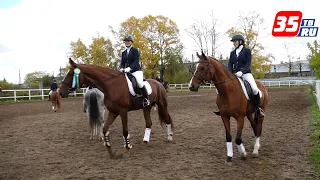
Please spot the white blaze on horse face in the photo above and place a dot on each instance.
(193, 74)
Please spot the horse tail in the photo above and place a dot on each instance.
(162, 103)
(94, 109)
(56, 99)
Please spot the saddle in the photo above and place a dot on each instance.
(135, 84)
(247, 87)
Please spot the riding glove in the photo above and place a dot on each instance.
(128, 69)
(239, 74)
(121, 69)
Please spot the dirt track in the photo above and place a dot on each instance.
(36, 143)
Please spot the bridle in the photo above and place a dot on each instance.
(208, 69)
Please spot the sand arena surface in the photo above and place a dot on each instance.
(36, 143)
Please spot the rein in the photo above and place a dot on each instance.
(75, 81)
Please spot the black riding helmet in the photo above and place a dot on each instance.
(238, 37)
(128, 38)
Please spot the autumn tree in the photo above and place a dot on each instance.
(153, 36)
(99, 52)
(205, 34)
(314, 57)
(250, 26)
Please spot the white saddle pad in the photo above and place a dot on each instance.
(245, 91)
(146, 83)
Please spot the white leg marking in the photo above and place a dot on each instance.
(169, 132)
(229, 149)
(52, 107)
(242, 150)
(146, 137)
(256, 146)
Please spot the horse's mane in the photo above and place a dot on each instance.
(226, 68)
(102, 69)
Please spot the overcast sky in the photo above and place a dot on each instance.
(35, 34)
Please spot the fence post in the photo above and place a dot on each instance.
(317, 83)
(42, 96)
(15, 95)
(29, 95)
(289, 83)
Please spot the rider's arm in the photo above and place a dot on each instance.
(136, 57)
(247, 66)
(122, 61)
(230, 63)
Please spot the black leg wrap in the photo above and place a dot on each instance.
(238, 141)
(228, 137)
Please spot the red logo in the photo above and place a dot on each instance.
(287, 24)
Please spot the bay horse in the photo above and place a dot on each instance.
(231, 101)
(55, 99)
(118, 98)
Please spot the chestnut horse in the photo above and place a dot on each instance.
(117, 98)
(55, 99)
(231, 101)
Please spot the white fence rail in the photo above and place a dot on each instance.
(317, 84)
(43, 93)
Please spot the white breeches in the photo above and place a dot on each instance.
(250, 79)
(50, 92)
(139, 77)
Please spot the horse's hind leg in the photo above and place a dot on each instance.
(258, 134)
(146, 113)
(254, 128)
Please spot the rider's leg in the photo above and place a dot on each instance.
(50, 95)
(139, 77)
(255, 91)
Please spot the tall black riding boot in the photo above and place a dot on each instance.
(146, 101)
(49, 98)
(258, 104)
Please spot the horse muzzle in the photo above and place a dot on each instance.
(194, 88)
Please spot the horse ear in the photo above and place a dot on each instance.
(72, 63)
(202, 54)
(198, 55)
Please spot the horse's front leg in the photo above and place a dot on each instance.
(126, 136)
(147, 132)
(110, 119)
(226, 123)
(241, 149)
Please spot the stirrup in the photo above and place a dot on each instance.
(261, 112)
(217, 113)
(146, 102)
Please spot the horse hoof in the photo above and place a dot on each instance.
(255, 154)
(228, 163)
(145, 142)
(243, 155)
(170, 138)
(126, 149)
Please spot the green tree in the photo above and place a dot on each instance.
(47, 80)
(32, 79)
(6, 85)
(314, 57)
(250, 26)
